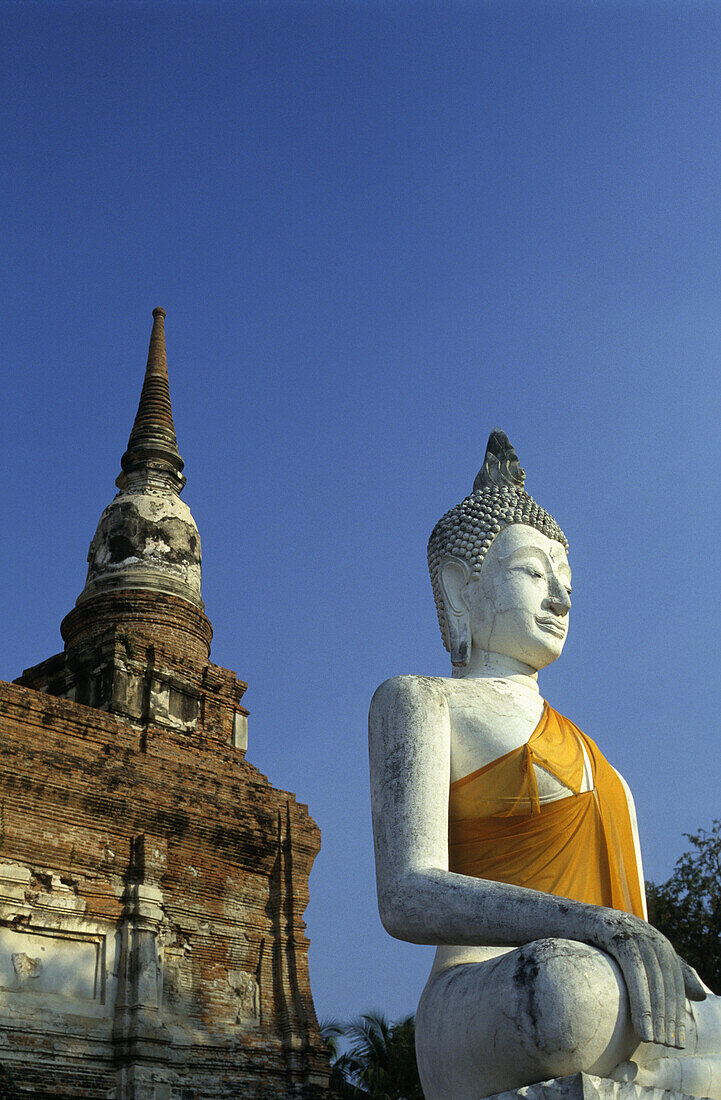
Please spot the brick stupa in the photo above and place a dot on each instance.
(152, 881)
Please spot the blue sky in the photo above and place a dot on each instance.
(379, 230)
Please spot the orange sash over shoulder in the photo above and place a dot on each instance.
(581, 846)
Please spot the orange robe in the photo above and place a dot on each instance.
(580, 846)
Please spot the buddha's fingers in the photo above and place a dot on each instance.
(652, 971)
(629, 958)
(678, 1038)
(681, 1006)
(675, 992)
(662, 1006)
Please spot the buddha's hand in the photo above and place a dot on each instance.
(657, 980)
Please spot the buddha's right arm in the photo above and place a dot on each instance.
(421, 901)
(419, 898)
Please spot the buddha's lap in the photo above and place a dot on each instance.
(546, 1009)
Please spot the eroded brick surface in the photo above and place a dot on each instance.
(152, 890)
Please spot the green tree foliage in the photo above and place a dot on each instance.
(379, 1062)
(687, 908)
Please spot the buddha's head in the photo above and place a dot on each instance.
(499, 569)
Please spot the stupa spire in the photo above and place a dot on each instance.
(152, 447)
(147, 539)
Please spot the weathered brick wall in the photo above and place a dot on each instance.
(166, 857)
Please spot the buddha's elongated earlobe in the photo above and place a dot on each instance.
(453, 576)
(459, 641)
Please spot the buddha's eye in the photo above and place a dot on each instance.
(533, 572)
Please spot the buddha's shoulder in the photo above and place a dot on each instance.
(440, 689)
(410, 690)
(489, 695)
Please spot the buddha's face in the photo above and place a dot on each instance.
(519, 602)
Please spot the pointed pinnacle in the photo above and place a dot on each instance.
(152, 444)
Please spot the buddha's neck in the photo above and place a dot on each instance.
(496, 665)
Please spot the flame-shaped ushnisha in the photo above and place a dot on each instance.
(501, 466)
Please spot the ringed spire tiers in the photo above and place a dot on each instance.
(153, 446)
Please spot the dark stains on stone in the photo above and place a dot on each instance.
(127, 534)
(531, 960)
(525, 976)
(120, 548)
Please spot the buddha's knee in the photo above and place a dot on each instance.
(572, 1007)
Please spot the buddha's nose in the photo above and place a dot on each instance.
(558, 599)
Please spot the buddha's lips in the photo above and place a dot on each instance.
(554, 626)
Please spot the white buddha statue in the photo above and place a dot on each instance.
(503, 836)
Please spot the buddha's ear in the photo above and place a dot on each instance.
(453, 575)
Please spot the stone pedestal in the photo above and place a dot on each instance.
(584, 1086)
